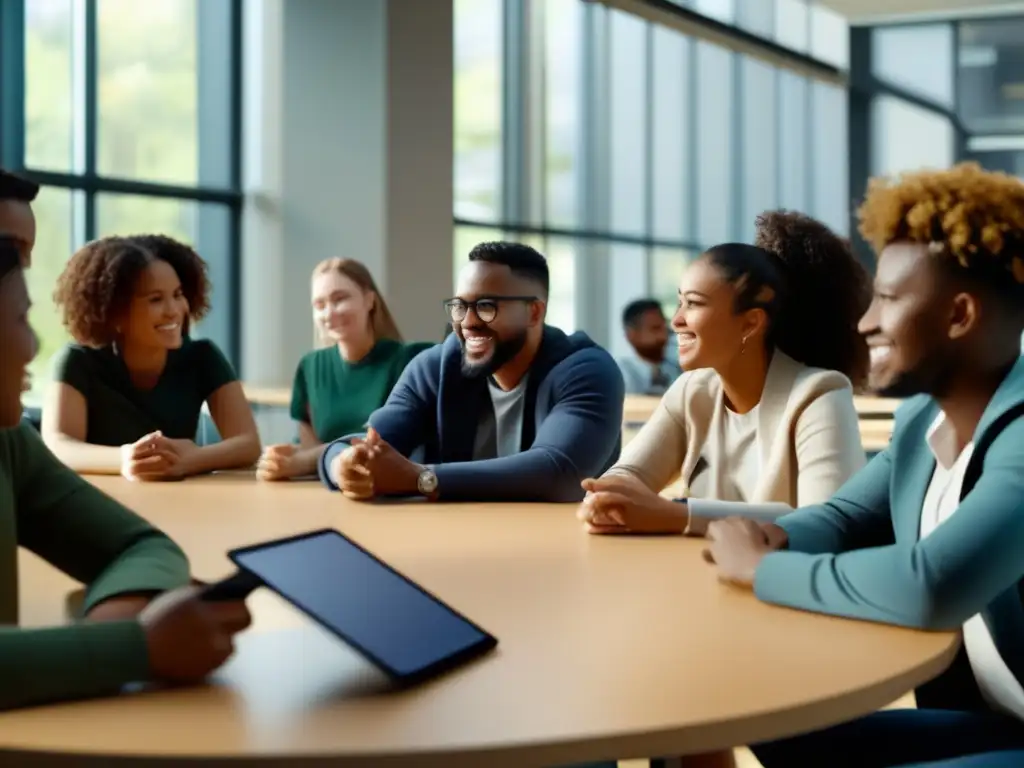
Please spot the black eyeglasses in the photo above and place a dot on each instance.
(486, 308)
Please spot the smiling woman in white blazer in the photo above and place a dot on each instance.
(763, 420)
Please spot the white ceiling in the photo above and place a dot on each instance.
(861, 11)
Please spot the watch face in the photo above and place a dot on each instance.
(427, 482)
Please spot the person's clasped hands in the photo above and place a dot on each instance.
(736, 546)
(371, 467)
(621, 504)
(156, 457)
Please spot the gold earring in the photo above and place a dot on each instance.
(743, 345)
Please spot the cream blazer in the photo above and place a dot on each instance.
(808, 437)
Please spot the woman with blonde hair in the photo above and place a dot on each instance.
(359, 358)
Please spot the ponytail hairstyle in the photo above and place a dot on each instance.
(809, 284)
(382, 323)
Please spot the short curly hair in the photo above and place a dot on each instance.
(809, 284)
(95, 289)
(969, 218)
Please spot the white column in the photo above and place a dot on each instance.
(348, 133)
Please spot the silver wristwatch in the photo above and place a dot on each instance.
(426, 484)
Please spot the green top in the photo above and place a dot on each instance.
(336, 398)
(121, 413)
(51, 511)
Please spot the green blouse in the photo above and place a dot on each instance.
(336, 397)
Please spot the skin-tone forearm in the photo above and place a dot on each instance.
(306, 459)
(85, 458)
(234, 453)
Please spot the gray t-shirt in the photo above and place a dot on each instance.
(500, 431)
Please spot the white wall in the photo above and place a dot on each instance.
(348, 130)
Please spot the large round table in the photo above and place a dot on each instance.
(609, 648)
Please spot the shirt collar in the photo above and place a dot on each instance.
(941, 441)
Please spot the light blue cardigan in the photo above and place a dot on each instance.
(859, 555)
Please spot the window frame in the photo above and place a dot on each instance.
(523, 209)
(215, 22)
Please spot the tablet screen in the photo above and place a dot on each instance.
(388, 618)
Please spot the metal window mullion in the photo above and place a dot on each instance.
(860, 148)
(960, 131)
(234, 289)
(513, 108)
(648, 128)
(533, 123)
(736, 215)
(809, 180)
(12, 84)
(592, 263)
(692, 211)
(90, 96)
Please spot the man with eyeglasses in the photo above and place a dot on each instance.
(506, 408)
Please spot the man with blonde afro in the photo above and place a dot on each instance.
(930, 534)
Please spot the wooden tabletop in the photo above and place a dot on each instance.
(609, 647)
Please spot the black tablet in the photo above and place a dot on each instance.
(392, 621)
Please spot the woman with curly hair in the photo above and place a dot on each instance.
(763, 419)
(128, 392)
(930, 534)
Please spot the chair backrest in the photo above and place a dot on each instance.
(206, 433)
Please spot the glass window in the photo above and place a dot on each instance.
(50, 89)
(563, 55)
(671, 134)
(757, 16)
(667, 266)
(478, 95)
(1007, 161)
(55, 243)
(759, 125)
(715, 125)
(793, 141)
(918, 58)
(830, 36)
(720, 10)
(829, 157)
(907, 137)
(465, 238)
(627, 281)
(628, 79)
(792, 24)
(561, 256)
(147, 85)
(990, 95)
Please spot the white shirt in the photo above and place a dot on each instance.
(999, 687)
(741, 455)
(738, 437)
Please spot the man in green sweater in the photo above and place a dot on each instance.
(127, 636)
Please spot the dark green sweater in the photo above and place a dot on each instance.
(51, 511)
